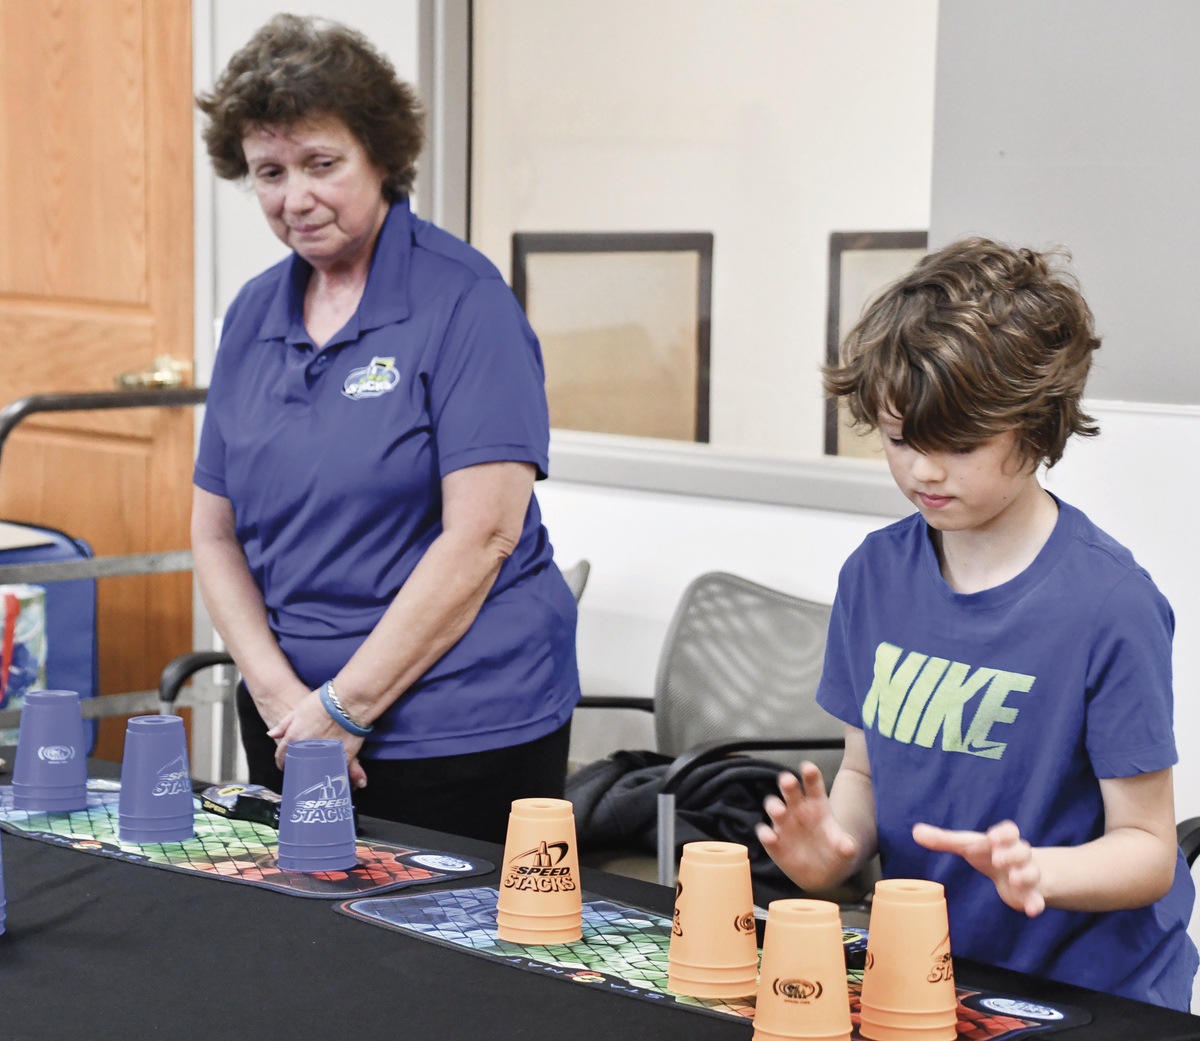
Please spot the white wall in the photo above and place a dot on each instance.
(1092, 139)
(644, 548)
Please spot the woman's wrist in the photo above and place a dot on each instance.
(273, 703)
(337, 711)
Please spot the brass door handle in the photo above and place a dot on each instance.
(167, 372)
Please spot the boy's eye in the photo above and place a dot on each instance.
(897, 440)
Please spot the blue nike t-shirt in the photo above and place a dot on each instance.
(333, 462)
(1011, 703)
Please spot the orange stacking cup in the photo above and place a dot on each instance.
(802, 991)
(540, 900)
(908, 985)
(713, 951)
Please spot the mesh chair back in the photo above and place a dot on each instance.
(743, 660)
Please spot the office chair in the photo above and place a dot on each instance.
(737, 673)
(1187, 833)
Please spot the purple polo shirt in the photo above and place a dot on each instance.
(333, 461)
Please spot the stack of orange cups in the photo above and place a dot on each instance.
(713, 951)
(540, 901)
(802, 991)
(908, 985)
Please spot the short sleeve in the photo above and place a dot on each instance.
(1129, 727)
(487, 389)
(835, 692)
(209, 471)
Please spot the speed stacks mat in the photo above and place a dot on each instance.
(234, 850)
(624, 950)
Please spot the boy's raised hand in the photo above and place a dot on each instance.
(1000, 853)
(803, 838)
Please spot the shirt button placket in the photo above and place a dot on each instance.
(317, 366)
(295, 376)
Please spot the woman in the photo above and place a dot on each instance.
(365, 533)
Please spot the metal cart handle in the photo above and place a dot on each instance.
(97, 567)
(22, 408)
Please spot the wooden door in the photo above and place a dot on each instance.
(95, 280)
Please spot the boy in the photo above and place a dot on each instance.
(1003, 667)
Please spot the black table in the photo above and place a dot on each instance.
(97, 949)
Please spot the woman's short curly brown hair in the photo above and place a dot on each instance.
(977, 339)
(298, 68)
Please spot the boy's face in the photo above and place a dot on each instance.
(960, 491)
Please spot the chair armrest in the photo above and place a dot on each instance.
(615, 701)
(179, 670)
(699, 755)
(1188, 834)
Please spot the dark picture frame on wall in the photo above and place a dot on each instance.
(861, 264)
(625, 324)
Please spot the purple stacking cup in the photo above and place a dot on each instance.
(50, 769)
(156, 782)
(2, 904)
(316, 818)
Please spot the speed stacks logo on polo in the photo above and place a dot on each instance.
(541, 869)
(371, 381)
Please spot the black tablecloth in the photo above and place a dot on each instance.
(97, 949)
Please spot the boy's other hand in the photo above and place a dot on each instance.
(803, 837)
(1000, 853)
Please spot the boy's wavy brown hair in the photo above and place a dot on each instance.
(298, 68)
(977, 339)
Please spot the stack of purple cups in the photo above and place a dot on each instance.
(316, 817)
(50, 768)
(156, 783)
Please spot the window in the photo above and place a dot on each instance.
(769, 125)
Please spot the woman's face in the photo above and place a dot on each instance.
(321, 195)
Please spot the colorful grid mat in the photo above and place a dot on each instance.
(234, 850)
(624, 950)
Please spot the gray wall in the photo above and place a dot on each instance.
(1078, 122)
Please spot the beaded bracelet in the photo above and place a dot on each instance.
(338, 714)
